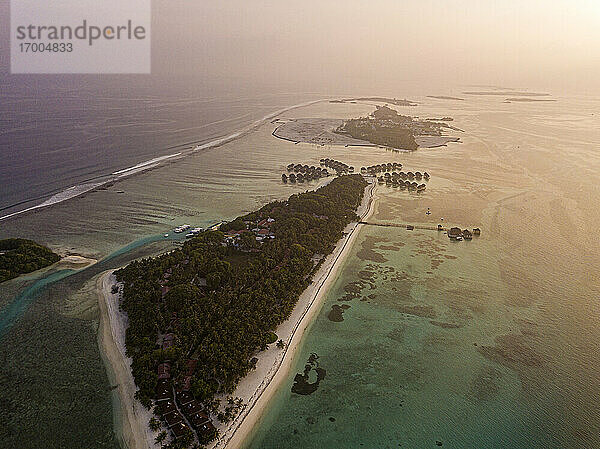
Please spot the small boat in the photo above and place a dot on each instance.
(459, 238)
(166, 235)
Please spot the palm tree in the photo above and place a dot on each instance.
(154, 424)
(161, 437)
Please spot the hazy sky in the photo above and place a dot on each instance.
(352, 44)
(377, 46)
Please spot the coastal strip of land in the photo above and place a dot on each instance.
(275, 370)
(131, 418)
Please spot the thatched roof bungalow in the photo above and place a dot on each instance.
(454, 232)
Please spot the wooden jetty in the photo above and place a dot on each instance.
(408, 226)
(468, 235)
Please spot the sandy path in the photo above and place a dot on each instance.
(130, 417)
(274, 365)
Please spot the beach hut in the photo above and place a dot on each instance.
(467, 235)
(163, 390)
(166, 407)
(476, 231)
(179, 430)
(164, 371)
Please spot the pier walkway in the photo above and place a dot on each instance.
(405, 225)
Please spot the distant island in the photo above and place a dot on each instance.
(508, 93)
(386, 127)
(394, 101)
(199, 315)
(21, 256)
(445, 97)
(526, 100)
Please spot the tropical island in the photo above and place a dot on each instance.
(394, 101)
(386, 127)
(200, 314)
(21, 256)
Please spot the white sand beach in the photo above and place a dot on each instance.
(130, 417)
(75, 261)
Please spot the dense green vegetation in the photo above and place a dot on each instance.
(226, 296)
(20, 256)
(383, 127)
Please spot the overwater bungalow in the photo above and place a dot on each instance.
(284, 178)
(426, 176)
(454, 232)
(292, 178)
(467, 235)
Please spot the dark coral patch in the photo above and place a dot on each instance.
(336, 313)
(301, 381)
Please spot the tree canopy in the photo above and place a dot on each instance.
(222, 302)
(20, 256)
